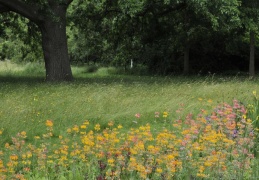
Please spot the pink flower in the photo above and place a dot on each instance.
(137, 115)
(183, 143)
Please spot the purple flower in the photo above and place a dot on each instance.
(208, 119)
(235, 133)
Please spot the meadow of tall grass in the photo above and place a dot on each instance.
(145, 106)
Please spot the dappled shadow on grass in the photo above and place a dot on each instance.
(109, 80)
(177, 79)
(21, 79)
(119, 80)
(128, 79)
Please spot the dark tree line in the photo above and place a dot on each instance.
(165, 36)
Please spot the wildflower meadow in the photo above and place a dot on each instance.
(216, 144)
(105, 126)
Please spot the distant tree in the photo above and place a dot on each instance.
(200, 18)
(50, 18)
(161, 35)
(250, 20)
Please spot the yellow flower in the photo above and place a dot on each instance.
(83, 126)
(86, 122)
(201, 175)
(75, 152)
(69, 130)
(7, 145)
(210, 101)
(249, 121)
(110, 161)
(150, 147)
(201, 169)
(170, 157)
(49, 123)
(159, 170)
(186, 131)
(228, 141)
(208, 163)
(1, 132)
(165, 114)
(29, 154)
(120, 126)
(75, 129)
(23, 134)
(254, 93)
(110, 123)
(97, 127)
(36, 137)
(24, 156)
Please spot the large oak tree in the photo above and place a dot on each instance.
(50, 17)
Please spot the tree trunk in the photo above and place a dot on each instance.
(54, 44)
(51, 19)
(252, 55)
(186, 65)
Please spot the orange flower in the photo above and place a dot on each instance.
(14, 157)
(49, 123)
(231, 125)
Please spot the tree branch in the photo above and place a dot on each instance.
(17, 6)
(64, 2)
(69, 2)
(3, 9)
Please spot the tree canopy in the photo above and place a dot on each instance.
(164, 37)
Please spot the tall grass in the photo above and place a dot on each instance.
(9, 69)
(27, 101)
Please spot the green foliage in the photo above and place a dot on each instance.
(91, 68)
(250, 15)
(253, 111)
(23, 52)
(151, 33)
(20, 41)
(253, 114)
